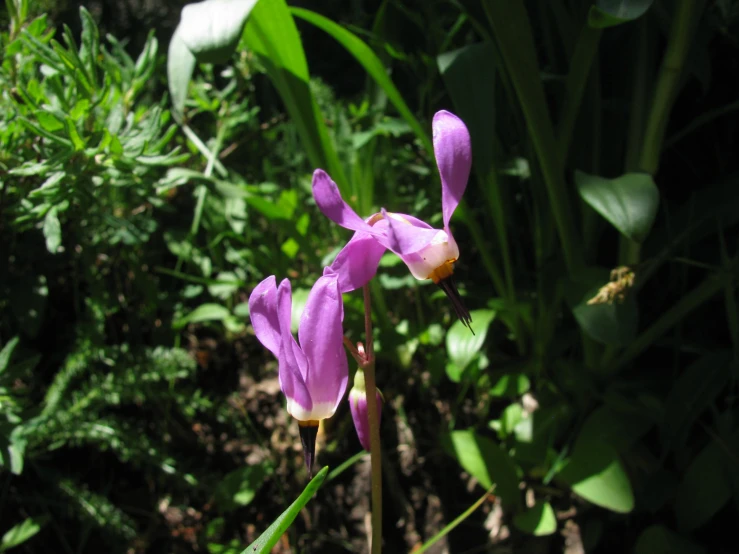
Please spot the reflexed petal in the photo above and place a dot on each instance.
(453, 152)
(329, 200)
(322, 339)
(357, 262)
(405, 238)
(291, 358)
(263, 314)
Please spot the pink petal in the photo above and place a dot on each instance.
(405, 238)
(292, 362)
(357, 262)
(453, 152)
(263, 314)
(322, 340)
(329, 200)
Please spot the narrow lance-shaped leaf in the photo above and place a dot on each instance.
(269, 538)
(607, 13)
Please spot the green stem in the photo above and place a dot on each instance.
(711, 286)
(582, 60)
(459, 519)
(374, 424)
(667, 84)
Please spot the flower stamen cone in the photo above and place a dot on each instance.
(308, 433)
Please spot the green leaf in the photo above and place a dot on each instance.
(485, 461)
(269, 538)
(658, 539)
(52, 231)
(272, 35)
(6, 353)
(510, 385)
(20, 533)
(204, 312)
(180, 65)
(462, 346)
(211, 29)
(607, 13)
(240, 486)
(628, 202)
(539, 520)
(706, 485)
(614, 324)
(594, 470)
(371, 63)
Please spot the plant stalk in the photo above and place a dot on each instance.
(667, 84)
(374, 424)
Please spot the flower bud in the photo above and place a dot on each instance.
(358, 407)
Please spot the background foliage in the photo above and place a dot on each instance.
(599, 247)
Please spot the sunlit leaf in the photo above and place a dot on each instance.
(539, 520)
(485, 461)
(20, 533)
(607, 13)
(462, 345)
(204, 312)
(212, 28)
(628, 202)
(52, 231)
(180, 65)
(239, 487)
(269, 538)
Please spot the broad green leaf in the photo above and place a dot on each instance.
(613, 324)
(594, 470)
(485, 461)
(52, 231)
(539, 520)
(706, 485)
(6, 353)
(239, 487)
(180, 65)
(510, 385)
(628, 202)
(269, 538)
(272, 35)
(204, 312)
(462, 346)
(597, 475)
(371, 63)
(211, 29)
(607, 13)
(20, 533)
(658, 539)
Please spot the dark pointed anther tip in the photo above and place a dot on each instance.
(308, 433)
(450, 289)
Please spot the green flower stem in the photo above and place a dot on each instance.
(374, 424)
(667, 84)
(711, 286)
(459, 519)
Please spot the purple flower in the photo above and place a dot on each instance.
(358, 407)
(314, 374)
(429, 253)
